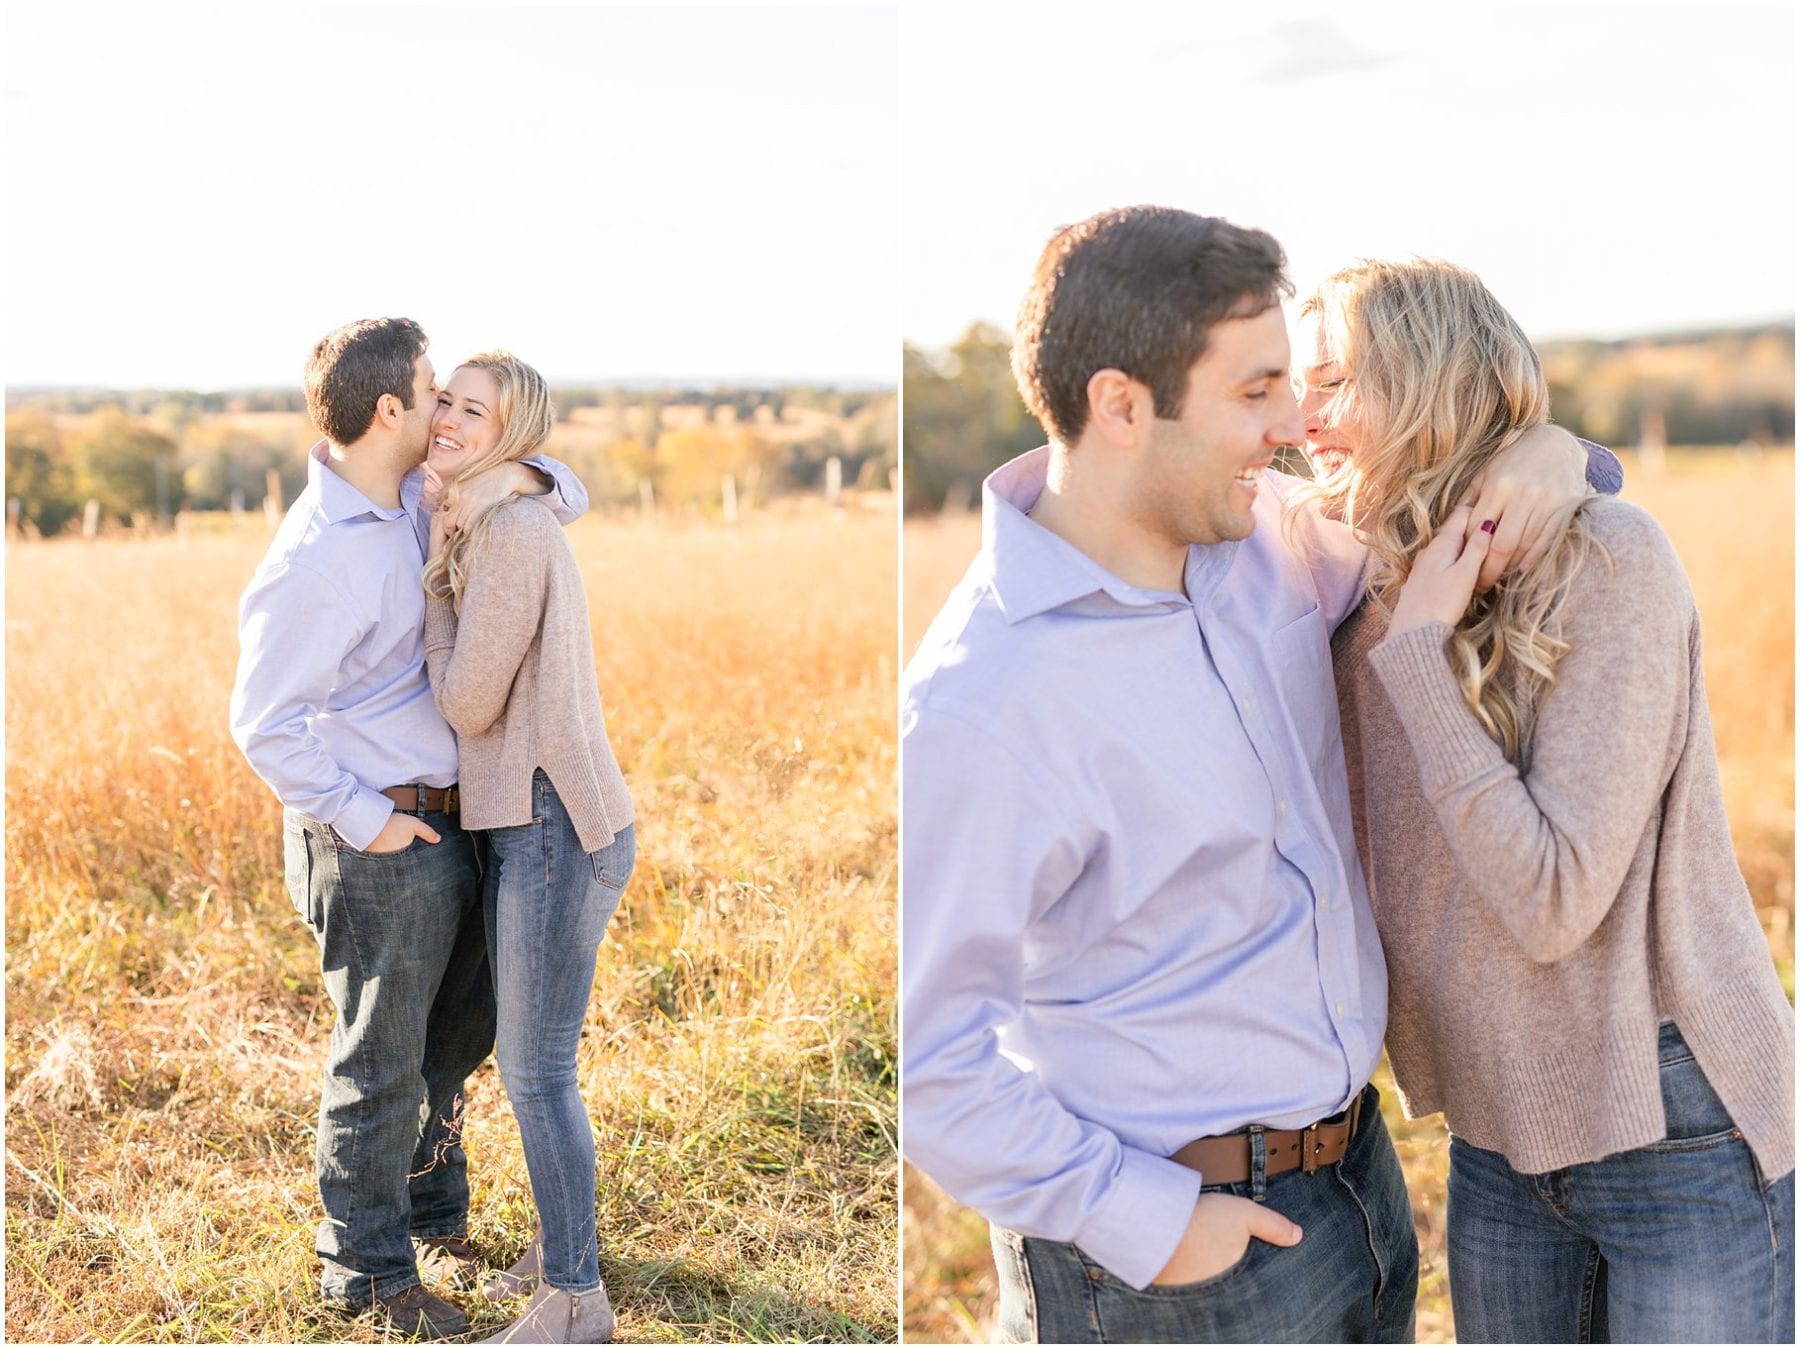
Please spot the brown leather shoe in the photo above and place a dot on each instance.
(449, 1261)
(423, 1315)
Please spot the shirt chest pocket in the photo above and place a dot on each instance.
(1300, 659)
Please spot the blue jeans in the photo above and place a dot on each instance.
(547, 903)
(404, 958)
(1353, 1278)
(1681, 1241)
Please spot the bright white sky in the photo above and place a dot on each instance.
(622, 193)
(196, 195)
(1605, 170)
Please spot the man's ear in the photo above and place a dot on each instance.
(388, 411)
(1120, 408)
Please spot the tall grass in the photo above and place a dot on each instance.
(165, 1019)
(1732, 522)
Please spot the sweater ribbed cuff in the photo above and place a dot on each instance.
(440, 623)
(1449, 743)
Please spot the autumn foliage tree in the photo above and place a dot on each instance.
(127, 467)
(219, 459)
(963, 417)
(689, 463)
(38, 473)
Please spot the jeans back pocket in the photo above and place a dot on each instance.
(1695, 1117)
(298, 854)
(613, 864)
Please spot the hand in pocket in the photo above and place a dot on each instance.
(1219, 1233)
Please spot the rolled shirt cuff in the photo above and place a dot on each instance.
(365, 817)
(1604, 471)
(1147, 1209)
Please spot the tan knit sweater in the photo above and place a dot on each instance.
(515, 679)
(1539, 925)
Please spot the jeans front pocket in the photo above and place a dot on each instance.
(1236, 1305)
(1209, 1284)
(338, 843)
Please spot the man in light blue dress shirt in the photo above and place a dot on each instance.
(1134, 926)
(333, 709)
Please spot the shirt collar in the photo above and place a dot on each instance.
(1034, 570)
(339, 500)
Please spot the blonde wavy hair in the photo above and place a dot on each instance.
(526, 417)
(1443, 379)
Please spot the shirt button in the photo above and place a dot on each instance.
(1340, 1009)
(1246, 706)
(1281, 807)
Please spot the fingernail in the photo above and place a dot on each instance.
(1487, 526)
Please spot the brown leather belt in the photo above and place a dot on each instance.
(416, 800)
(1226, 1161)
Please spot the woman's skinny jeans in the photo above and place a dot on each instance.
(547, 903)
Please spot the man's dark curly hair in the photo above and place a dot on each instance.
(1136, 290)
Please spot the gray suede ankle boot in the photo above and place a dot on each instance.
(555, 1317)
(521, 1276)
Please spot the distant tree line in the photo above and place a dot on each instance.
(141, 402)
(144, 455)
(129, 468)
(684, 461)
(567, 397)
(746, 400)
(963, 416)
(1712, 388)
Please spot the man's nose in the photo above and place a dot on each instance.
(1291, 427)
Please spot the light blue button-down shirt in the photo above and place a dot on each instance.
(1133, 914)
(332, 702)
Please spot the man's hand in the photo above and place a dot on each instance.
(399, 832)
(1442, 580)
(1530, 492)
(1218, 1235)
(465, 500)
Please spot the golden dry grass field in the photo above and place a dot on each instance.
(166, 1024)
(1732, 522)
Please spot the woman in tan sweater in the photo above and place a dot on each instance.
(1577, 977)
(511, 661)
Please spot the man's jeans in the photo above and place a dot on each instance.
(547, 903)
(1681, 1241)
(404, 958)
(1353, 1277)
